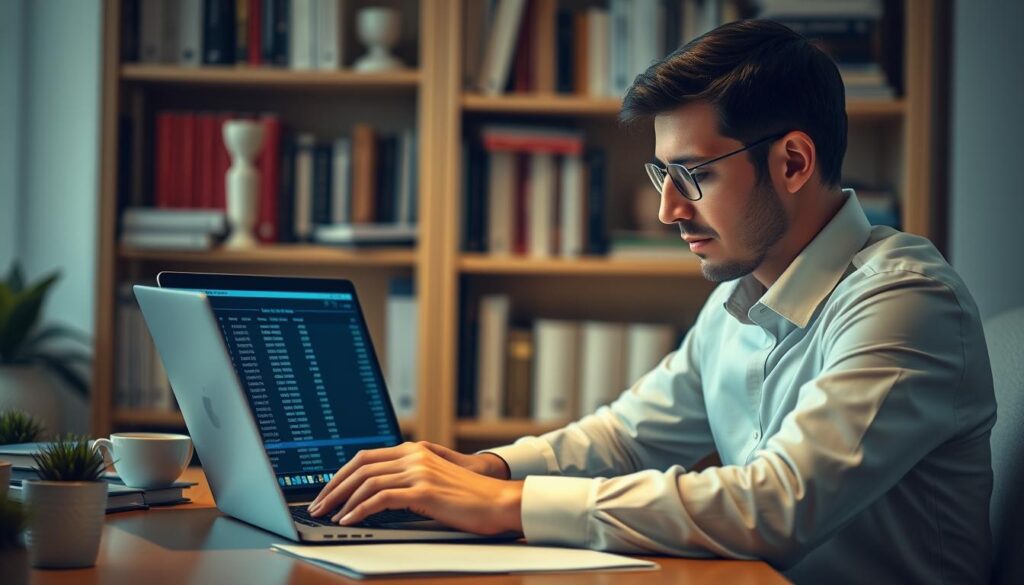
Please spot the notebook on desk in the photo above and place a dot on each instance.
(120, 498)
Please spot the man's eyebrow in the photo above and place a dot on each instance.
(686, 161)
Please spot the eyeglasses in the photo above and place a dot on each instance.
(684, 179)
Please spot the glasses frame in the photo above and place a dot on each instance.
(657, 173)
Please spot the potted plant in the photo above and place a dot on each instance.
(66, 505)
(29, 355)
(13, 557)
(18, 427)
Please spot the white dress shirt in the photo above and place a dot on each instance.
(850, 403)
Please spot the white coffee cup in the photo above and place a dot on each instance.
(147, 460)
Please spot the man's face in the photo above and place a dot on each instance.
(737, 221)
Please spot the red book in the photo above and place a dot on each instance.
(269, 164)
(254, 36)
(174, 186)
(521, 205)
(522, 66)
(187, 196)
(163, 170)
(221, 162)
(553, 144)
(205, 144)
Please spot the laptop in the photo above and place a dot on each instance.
(279, 386)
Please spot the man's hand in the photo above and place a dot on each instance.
(461, 491)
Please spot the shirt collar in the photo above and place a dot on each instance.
(812, 275)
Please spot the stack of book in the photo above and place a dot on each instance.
(555, 370)
(140, 378)
(849, 31)
(367, 179)
(534, 191)
(119, 496)
(536, 46)
(172, 229)
(299, 34)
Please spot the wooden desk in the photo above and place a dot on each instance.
(195, 544)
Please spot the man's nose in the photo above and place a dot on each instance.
(674, 206)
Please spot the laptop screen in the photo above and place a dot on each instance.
(311, 377)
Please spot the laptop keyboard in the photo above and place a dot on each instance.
(301, 515)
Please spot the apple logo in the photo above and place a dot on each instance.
(208, 405)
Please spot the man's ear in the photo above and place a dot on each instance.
(795, 159)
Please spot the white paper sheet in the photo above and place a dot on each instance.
(373, 560)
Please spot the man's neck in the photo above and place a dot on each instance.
(812, 215)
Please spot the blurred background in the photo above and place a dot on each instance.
(460, 161)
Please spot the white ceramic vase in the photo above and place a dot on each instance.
(379, 28)
(32, 389)
(243, 139)
(65, 522)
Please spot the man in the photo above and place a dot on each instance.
(840, 371)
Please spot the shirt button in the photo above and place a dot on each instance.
(757, 435)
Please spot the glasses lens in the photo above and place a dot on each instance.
(684, 181)
(656, 174)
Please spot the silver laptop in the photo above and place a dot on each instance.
(279, 386)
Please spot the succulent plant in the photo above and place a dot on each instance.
(18, 427)
(12, 523)
(70, 458)
(24, 341)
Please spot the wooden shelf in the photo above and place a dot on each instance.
(291, 254)
(568, 105)
(502, 430)
(269, 77)
(585, 266)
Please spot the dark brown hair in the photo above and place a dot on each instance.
(762, 78)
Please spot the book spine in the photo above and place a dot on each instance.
(556, 370)
(542, 195)
(597, 232)
(405, 177)
(286, 195)
(564, 40)
(647, 344)
(619, 17)
(598, 81)
(254, 55)
(190, 45)
(274, 36)
(206, 143)
(602, 369)
(494, 313)
(364, 188)
(546, 51)
(218, 32)
(322, 155)
(242, 17)
(163, 170)
(329, 34)
(304, 187)
(521, 219)
(401, 345)
(189, 177)
(301, 21)
(151, 32)
(500, 198)
(341, 196)
(386, 179)
(130, 25)
(571, 216)
(519, 364)
(501, 46)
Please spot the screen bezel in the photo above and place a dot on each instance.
(212, 281)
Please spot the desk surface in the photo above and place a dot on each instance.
(195, 544)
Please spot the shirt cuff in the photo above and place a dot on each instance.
(527, 456)
(555, 510)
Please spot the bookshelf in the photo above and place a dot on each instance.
(890, 138)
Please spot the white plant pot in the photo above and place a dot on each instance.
(32, 389)
(65, 522)
(14, 566)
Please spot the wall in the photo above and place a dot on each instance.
(54, 88)
(986, 207)
(11, 38)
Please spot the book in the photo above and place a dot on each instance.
(364, 164)
(500, 200)
(322, 183)
(556, 368)
(490, 386)
(254, 34)
(571, 216)
(647, 344)
(341, 175)
(303, 218)
(190, 30)
(302, 28)
(545, 53)
(596, 222)
(541, 206)
(120, 498)
(183, 241)
(274, 36)
(371, 234)
(598, 59)
(500, 47)
(151, 27)
(602, 364)
(518, 367)
(218, 32)
(401, 340)
(174, 220)
(329, 35)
